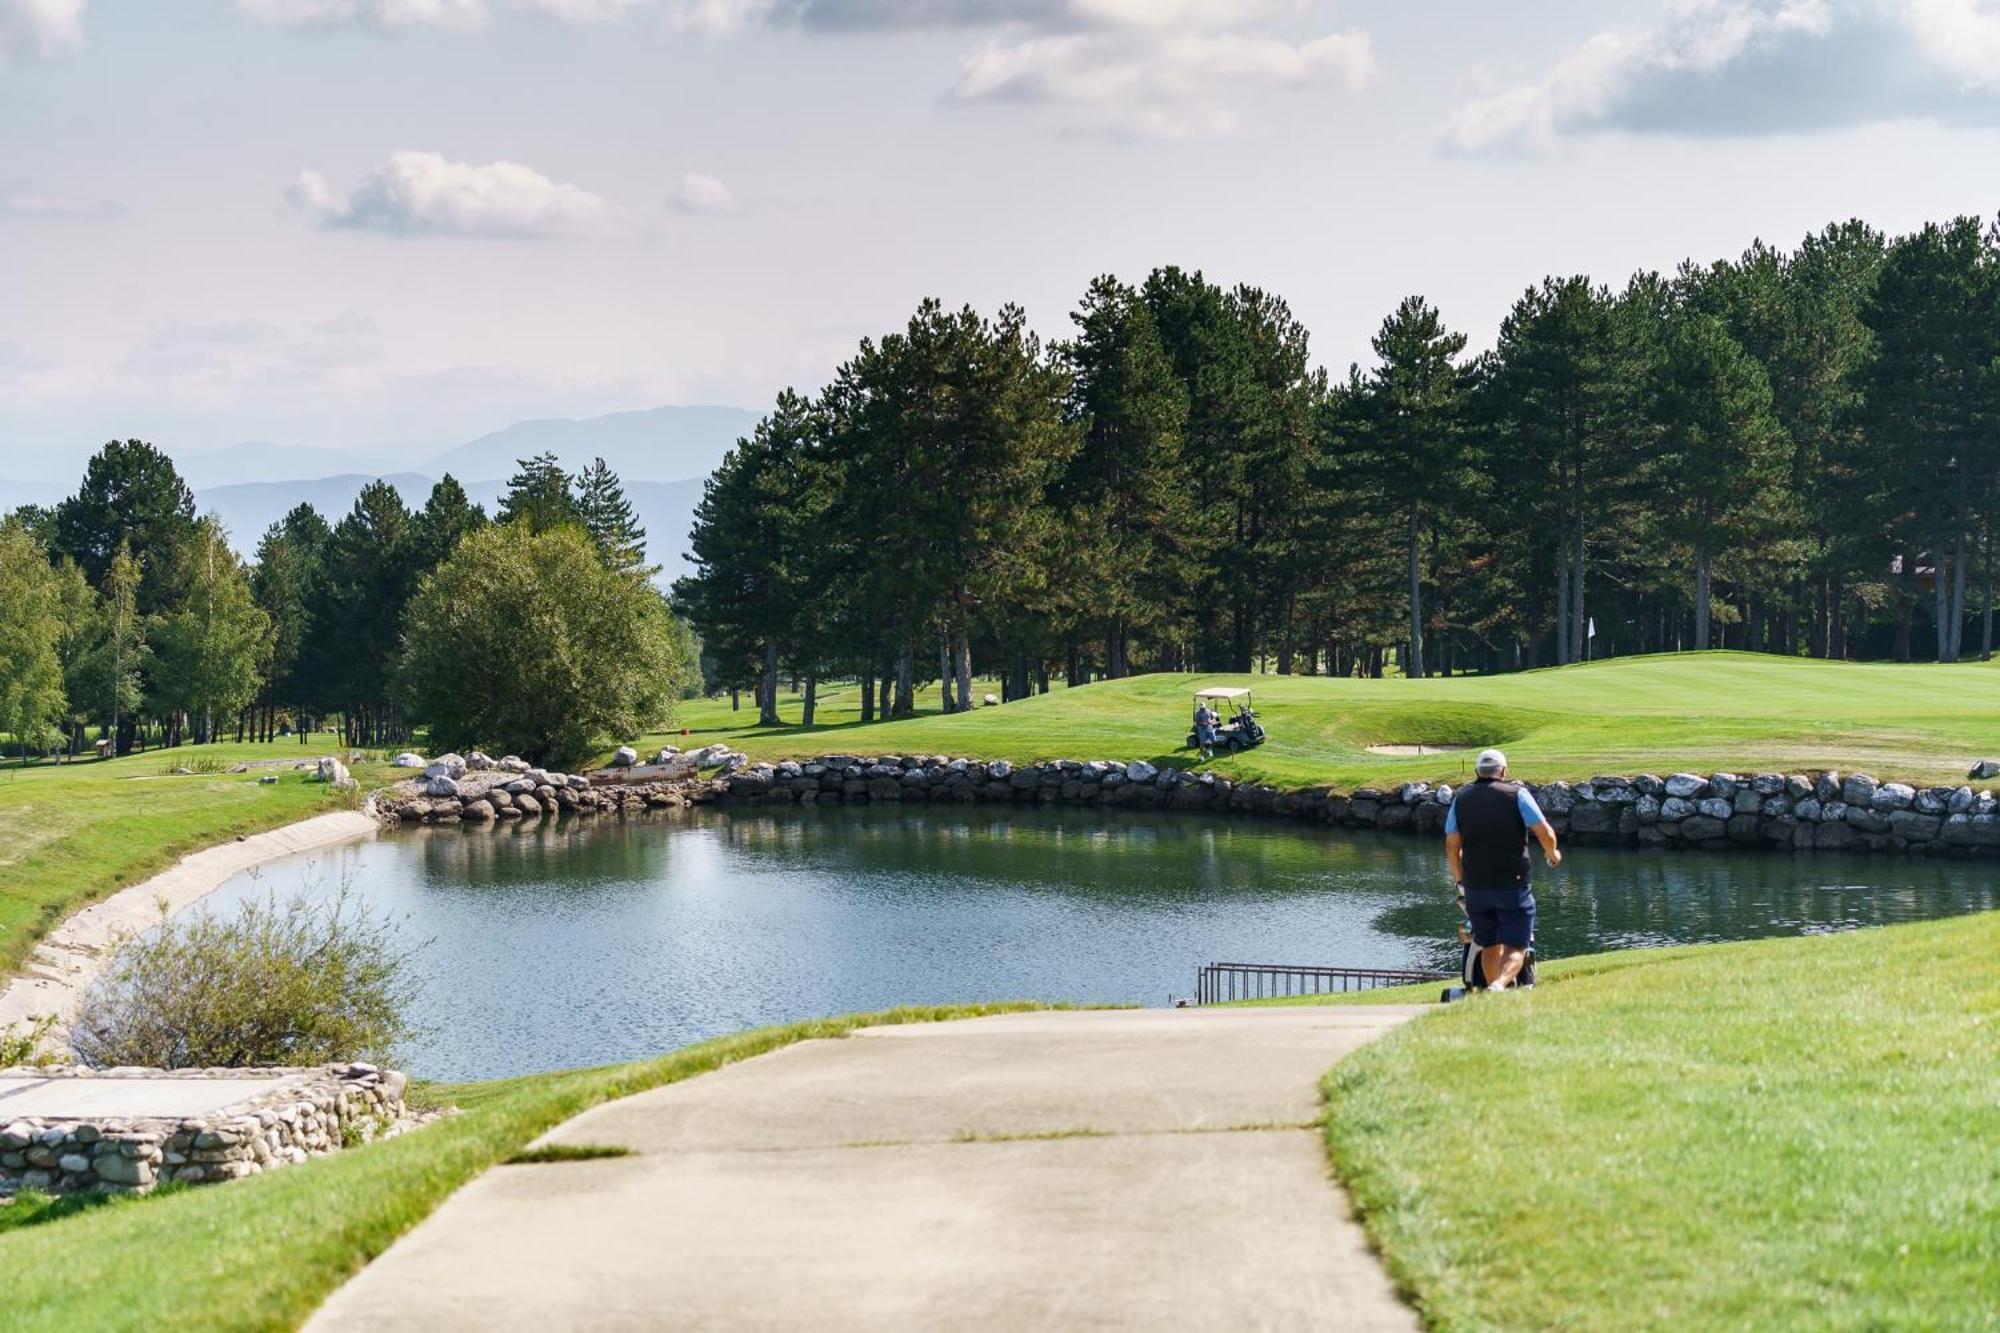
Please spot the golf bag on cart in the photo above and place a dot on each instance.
(1470, 968)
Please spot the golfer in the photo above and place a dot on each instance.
(1486, 849)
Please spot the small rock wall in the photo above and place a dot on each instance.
(318, 1112)
(1720, 810)
(1799, 811)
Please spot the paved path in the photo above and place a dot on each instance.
(1145, 1170)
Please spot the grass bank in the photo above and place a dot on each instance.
(263, 1253)
(1705, 711)
(1796, 1133)
(78, 832)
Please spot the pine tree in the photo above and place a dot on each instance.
(447, 516)
(539, 495)
(608, 518)
(1414, 420)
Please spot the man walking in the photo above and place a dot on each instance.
(1486, 848)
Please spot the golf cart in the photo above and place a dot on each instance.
(1236, 727)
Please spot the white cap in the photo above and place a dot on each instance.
(1490, 763)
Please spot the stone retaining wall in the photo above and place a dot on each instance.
(1796, 811)
(318, 1111)
(1799, 811)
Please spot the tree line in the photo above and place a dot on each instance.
(124, 614)
(1793, 451)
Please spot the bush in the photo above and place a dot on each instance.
(306, 983)
(21, 1045)
(525, 642)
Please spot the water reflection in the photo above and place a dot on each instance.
(563, 944)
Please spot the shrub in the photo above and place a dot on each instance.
(309, 982)
(21, 1045)
(524, 642)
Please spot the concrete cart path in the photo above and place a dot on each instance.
(1144, 1170)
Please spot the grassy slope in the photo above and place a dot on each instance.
(77, 832)
(1707, 711)
(1778, 1134)
(264, 1252)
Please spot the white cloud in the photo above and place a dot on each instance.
(376, 15)
(417, 194)
(37, 29)
(581, 11)
(1042, 15)
(1963, 36)
(699, 193)
(1158, 85)
(1733, 67)
(38, 206)
(1142, 68)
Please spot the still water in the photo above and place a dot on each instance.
(585, 942)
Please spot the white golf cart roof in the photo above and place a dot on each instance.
(1220, 692)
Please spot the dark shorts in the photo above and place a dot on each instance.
(1501, 916)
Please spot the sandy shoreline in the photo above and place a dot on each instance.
(70, 956)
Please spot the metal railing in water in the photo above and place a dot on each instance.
(1224, 983)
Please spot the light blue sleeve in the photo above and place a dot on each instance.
(1531, 814)
(1451, 818)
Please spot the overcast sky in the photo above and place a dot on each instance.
(389, 225)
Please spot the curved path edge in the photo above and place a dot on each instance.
(70, 957)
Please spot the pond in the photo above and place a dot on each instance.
(584, 942)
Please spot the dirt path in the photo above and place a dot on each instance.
(1144, 1169)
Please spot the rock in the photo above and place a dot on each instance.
(1798, 787)
(1593, 817)
(999, 770)
(1913, 827)
(1828, 787)
(1961, 801)
(271, 780)
(330, 769)
(1724, 785)
(75, 1164)
(1647, 808)
(1767, 784)
(1556, 799)
(1648, 784)
(1686, 786)
(478, 812)
(520, 787)
(118, 1169)
(1866, 820)
(1675, 809)
(990, 700)
(1807, 809)
(409, 759)
(1703, 828)
(1984, 769)
(624, 757)
(1747, 801)
(1890, 796)
(1859, 789)
(1935, 800)
(512, 763)
(1833, 812)
(1140, 771)
(527, 805)
(436, 786)
(1717, 807)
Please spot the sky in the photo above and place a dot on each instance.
(386, 226)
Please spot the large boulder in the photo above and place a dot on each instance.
(1984, 769)
(330, 770)
(624, 757)
(409, 759)
(1686, 786)
(1858, 789)
(512, 763)
(1140, 771)
(479, 761)
(436, 786)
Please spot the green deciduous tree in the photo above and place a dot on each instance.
(211, 649)
(524, 641)
(31, 625)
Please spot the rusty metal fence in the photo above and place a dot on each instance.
(1225, 983)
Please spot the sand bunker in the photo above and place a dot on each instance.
(1418, 749)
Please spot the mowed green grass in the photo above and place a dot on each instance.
(263, 1253)
(1798, 1133)
(77, 832)
(1705, 712)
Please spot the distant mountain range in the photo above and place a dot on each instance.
(662, 455)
